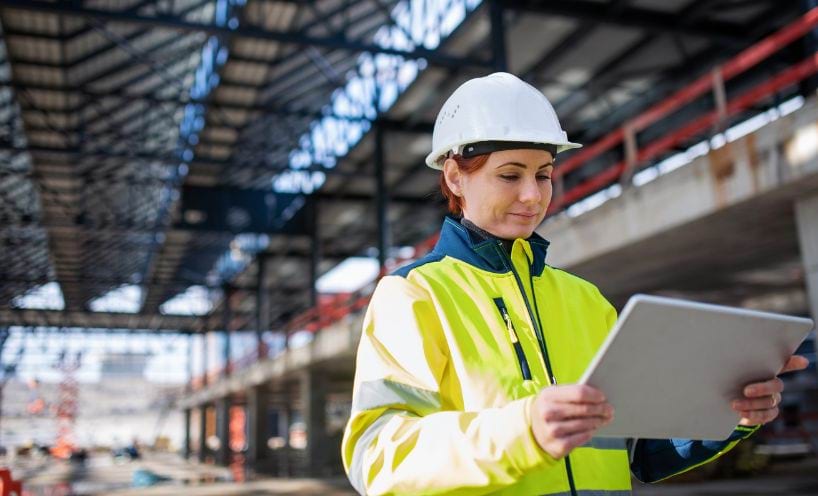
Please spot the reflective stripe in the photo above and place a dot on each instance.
(606, 443)
(593, 492)
(356, 468)
(631, 444)
(378, 394)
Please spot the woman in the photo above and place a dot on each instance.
(458, 385)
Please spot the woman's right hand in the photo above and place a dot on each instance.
(565, 417)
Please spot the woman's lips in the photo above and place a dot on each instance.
(525, 215)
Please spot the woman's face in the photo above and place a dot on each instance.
(509, 195)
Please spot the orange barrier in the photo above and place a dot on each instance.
(9, 486)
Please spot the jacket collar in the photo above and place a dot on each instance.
(463, 244)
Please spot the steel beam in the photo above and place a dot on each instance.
(70, 156)
(382, 197)
(433, 57)
(98, 320)
(655, 21)
(498, 35)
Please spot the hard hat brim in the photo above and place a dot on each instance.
(434, 161)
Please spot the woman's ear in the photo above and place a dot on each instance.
(453, 176)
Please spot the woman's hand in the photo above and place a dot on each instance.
(565, 417)
(761, 399)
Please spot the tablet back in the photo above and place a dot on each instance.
(670, 368)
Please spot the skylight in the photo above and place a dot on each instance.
(350, 275)
(45, 297)
(380, 80)
(196, 300)
(124, 299)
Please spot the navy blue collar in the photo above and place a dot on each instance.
(458, 242)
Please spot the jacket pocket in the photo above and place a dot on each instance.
(515, 341)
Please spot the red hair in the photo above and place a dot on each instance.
(466, 166)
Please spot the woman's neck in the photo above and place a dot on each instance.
(507, 243)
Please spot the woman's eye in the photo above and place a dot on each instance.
(508, 177)
(543, 177)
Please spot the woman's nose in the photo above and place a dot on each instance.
(530, 191)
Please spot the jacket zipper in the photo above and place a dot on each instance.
(515, 341)
(535, 321)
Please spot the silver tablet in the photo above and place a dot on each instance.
(670, 367)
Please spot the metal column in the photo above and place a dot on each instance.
(285, 415)
(223, 431)
(262, 307)
(381, 197)
(315, 253)
(228, 292)
(257, 407)
(205, 365)
(186, 445)
(498, 36)
(202, 433)
(313, 395)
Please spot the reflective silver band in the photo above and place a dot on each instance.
(385, 393)
(593, 492)
(356, 468)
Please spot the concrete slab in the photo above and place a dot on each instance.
(701, 225)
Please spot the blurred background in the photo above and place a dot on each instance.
(197, 197)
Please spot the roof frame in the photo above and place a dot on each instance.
(174, 22)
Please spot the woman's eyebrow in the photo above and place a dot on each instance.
(518, 164)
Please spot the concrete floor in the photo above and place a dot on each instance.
(102, 475)
(783, 478)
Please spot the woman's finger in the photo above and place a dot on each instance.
(567, 428)
(763, 403)
(796, 362)
(757, 417)
(766, 388)
(563, 411)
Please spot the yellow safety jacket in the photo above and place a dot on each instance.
(453, 351)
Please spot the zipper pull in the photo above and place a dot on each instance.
(511, 333)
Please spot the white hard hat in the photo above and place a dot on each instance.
(500, 108)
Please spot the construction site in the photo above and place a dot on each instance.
(199, 197)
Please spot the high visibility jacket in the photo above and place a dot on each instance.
(453, 351)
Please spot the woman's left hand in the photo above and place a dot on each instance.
(761, 399)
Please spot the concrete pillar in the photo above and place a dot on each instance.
(257, 408)
(223, 431)
(262, 307)
(806, 216)
(285, 415)
(202, 433)
(313, 395)
(226, 317)
(186, 445)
